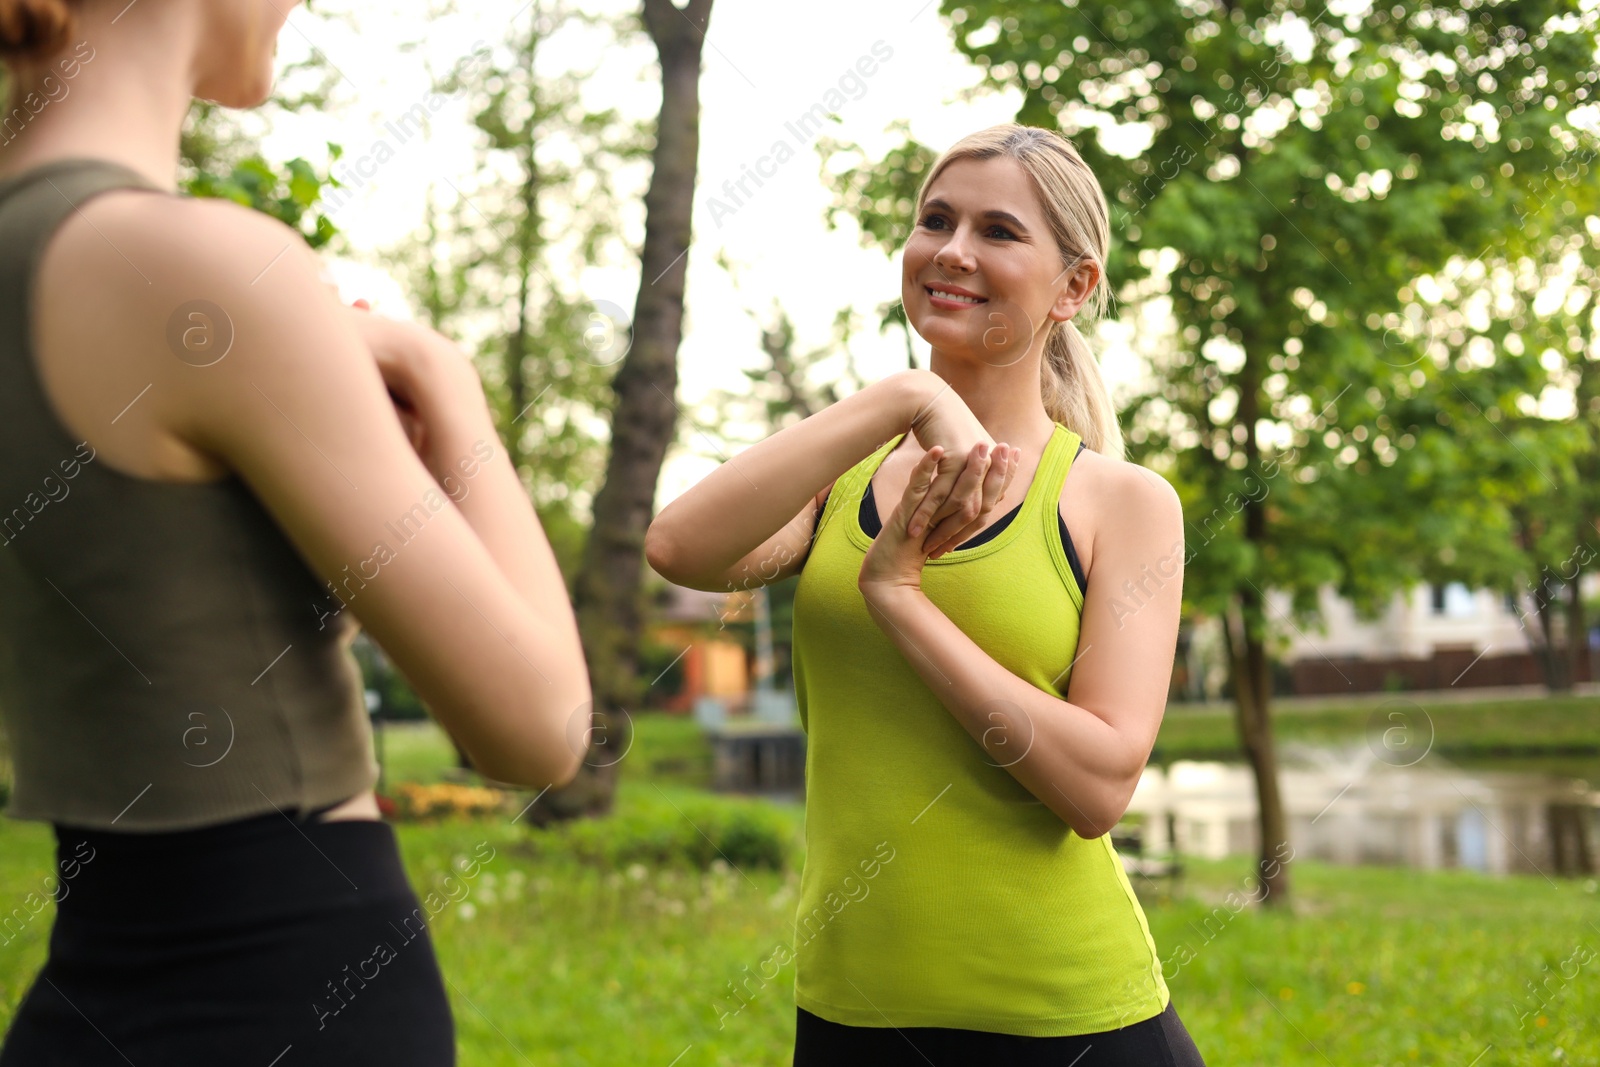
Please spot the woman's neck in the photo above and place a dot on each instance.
(1005, 399)
(116, 92)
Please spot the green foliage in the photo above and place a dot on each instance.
(678, 827)
(220, 159)
(397, 700)
(1327, 206)
(289, 194)
(877, 195)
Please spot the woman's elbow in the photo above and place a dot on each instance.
(546, 747)
(1089, 829)
(548, 770)
(658, 551)
(1098, 816)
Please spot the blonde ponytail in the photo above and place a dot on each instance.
(1075, 394)
(1070, 383)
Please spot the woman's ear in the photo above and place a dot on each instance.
(1079, 281)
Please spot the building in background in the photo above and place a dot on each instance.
(709, 661)
(1434, 637)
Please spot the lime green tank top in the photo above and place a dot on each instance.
(937, 891)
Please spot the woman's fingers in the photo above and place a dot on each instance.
(931, 508)
(996, 480)
(972, 503)
(962, 503)
(917, 493)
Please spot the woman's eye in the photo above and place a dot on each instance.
(933, 222)
(1000, 231)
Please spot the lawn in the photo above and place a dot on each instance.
(551, 960)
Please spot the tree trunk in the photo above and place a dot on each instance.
(1252, 674)
(1555, 673)
(1577, 633)
(607, 591)
(528, 246)
(1251, 677)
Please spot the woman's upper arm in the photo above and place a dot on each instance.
(298, 408)
(1127, 639)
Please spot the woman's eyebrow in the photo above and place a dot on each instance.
(995, 215)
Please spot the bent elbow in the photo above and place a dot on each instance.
(549, 771)
(1091, 831)
(658, 551)
(568, 773)
(1100, 818)
(549, 757)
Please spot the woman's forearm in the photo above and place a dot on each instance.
(1077, 764)
(746, 500)
(461, 449)
(490, 496)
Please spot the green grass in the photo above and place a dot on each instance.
(553, 960)
(560, 963)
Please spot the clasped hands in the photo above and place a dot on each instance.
(946, 501)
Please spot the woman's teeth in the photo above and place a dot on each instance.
(942, 295)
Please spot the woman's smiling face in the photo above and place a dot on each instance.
(981, 273)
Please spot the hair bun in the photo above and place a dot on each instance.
(33, 28)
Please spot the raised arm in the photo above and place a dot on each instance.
(749, 522)
(459, 584)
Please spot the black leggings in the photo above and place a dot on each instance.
(262, 941)
(1161, 1041)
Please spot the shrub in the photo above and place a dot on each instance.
(683, 830)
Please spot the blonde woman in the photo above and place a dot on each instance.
(978, 713)
(201, 469)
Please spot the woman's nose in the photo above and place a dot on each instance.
(955, 254)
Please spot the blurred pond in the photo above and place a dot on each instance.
(1361, 804)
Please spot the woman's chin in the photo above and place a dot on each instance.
(942, 334)
(239, 93)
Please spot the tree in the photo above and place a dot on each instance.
(607, 595)
(792, 385)
(499, 268)
(1279, 179)
(1527, 474)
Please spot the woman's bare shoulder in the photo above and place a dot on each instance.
(159, 240)
(1102, 498)
(131, 280)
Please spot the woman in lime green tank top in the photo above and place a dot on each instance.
(978, 716)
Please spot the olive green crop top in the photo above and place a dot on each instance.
(166, 659)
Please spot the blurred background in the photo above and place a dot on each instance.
(1355, 255)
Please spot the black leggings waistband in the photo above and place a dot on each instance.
(1161, 1041)
(234, 944)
